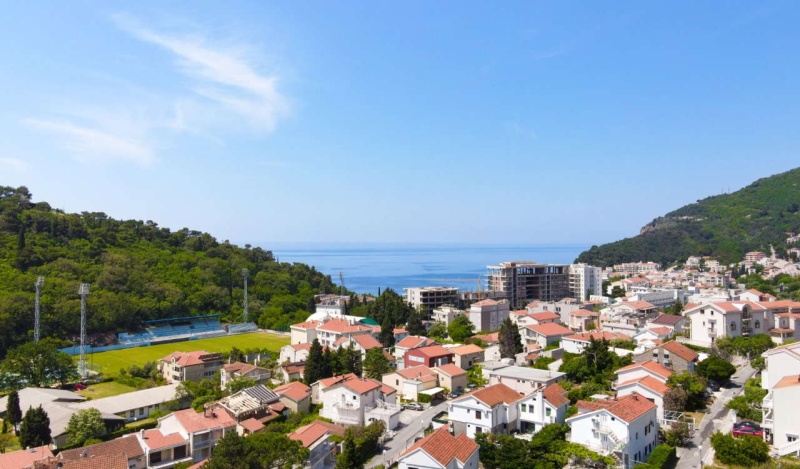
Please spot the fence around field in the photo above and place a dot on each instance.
(76, 349)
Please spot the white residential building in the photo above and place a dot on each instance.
(428, 298)
(491, 409)
(711, 321)
(487, 315)
(350, 400)
(542, 407)
(522, 379)
(577, 343)
(446, 314)
(441, 450)
(584, 281)
(625, 428)
(648, 379)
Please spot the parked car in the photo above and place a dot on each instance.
(413, 406)
(752, 425)
(713, 386)
(455, 394)
(747, 430)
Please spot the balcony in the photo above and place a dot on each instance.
(203, 443)
(712, 332)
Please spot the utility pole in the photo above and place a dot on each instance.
(36, 308)
(83, 291)
(245, 272)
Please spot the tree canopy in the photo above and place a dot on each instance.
(138, 271)
(37, 364)
(84, 425)
(376, 364)
(271, 450)
(716, 369)
(510, 339)
(460, 329)
(35, 428)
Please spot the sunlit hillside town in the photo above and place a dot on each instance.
(607, 353)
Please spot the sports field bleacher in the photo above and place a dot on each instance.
(242, 328)
(173, 329)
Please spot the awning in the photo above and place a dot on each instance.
(432, 391)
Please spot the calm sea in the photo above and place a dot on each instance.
(369, 267)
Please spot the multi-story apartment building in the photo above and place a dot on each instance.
(542, 407)
(190, 366)
(185, 434)
(711, 321)
(754, 256)
(427, 298)
(446, 314)
(633, 268)
(526, 281)
(584, 281)
(350, 400)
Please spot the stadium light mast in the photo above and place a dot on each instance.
(245, 272)
(83, 291)
(36, 308)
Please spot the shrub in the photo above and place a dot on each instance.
(663, 456)
(747, 451)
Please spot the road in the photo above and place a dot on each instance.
(405, 436)
(718, 418)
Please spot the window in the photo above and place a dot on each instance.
(733, 326)
(524, 407)
(397, 382)
(141, 411)
(132, 414)
(547, 412)
(791, 438)
(180, 452)
(354, 398)
(758, 325)
(478, 415)
(637, 435)
(155, 458)
(478, 430)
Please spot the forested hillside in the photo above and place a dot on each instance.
(723, 226)
(137, 271)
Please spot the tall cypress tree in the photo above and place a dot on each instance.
(510, 339)
(415, 326)
(314, 363)
(13, 412)
(387, 332)
(35, 428)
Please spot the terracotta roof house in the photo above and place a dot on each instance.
(410, 382)
(411, 342)
(128, 446)
(491, 409)
(577, 343)
(542, 407)
(316, 438)
(350, 400)
(465, 356)
(178, 367)
(24, 458)
(231, 371)
(441, 450)
(452, 377)
(544, 334)
(626, 427)
(295, 395)
(433, 355)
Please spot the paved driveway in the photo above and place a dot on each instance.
(414, 424)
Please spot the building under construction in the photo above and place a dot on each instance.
(523, 282)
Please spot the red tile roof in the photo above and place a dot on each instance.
(555, 395)
(495, 394)
(452, 370)
(650, 365)
(598, 335)
(584, 313)
(466, 349)
(295, 390)
(668, 319)
(444, 447)
(416, 372)
(414, 341)
(154, 439)
(550, 329)
(660, 331)
(366, 341)
(352, 382)
(127, 445)
(190, 358)
(251, 425)
(105, 461)
(309, 434)
(433, 351)
(649, 382)
(494, 337)
(24, 457)
(306, 325)
(196, 422)
(627, 408)
(342, 326)
(640, 305)
(486, 302)
(544, 316)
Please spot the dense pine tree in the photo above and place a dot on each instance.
(510, 339)
(35, 428)
(315, 366)
(13, 411)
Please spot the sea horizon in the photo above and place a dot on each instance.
(368, 267)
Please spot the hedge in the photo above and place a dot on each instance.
(662, 457)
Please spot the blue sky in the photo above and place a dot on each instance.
(447, 122)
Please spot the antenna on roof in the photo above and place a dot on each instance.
(245, 272)
(36, 308)
(83, 291)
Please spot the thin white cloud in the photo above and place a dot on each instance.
(518, 129)
(224, 76)
(88, 143)
(13, 165)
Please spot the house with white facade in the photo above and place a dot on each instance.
(441, 450)
(542, 407)
(362, 343)
(466, 356)
(446, 314)
(316, 437)
(543, 335)
(491, 409)
(625, 428)
(237, 370)
(650, 385)
(409, 343)
(711, 321)
(522, 379)
(581, 319)
(202, 431)
(411, 382)
(577, 343)
(295, 352)
(640, 370)
(350, 400)
(488, 314)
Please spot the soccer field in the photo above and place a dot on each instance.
(109, 363)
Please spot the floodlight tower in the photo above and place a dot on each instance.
(36, 308)
(83, 291)
(244, 274)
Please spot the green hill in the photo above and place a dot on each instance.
(137, 270)
(723, 226)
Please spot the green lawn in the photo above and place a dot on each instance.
(109, 363)
(107, 389)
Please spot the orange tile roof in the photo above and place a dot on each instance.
(584, 313)
(486, 302)
(598, 335)
(555, 395)
(127, 445)
(466, 349)
(303, 346)
(295, 390)
(306, 325)
(550, 329)
(649, 382)
(352, 382)
(366, 341)
(433, 351)
(488, 338)
(544, 316)
(413, 341)
(189, 358)
(416, 372)
(328, 382)
(786, 381)
(660, 330)
(386, 390)
(309, 434)
(24, 457)
(105, 461)
(154, 439)
(640, 305)
(668, 319)
(650, 365)
(495, 394)
(444, 447)
(627, 408)
(451, 370)
(196, 422)
(342, 326)
(251, 425)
